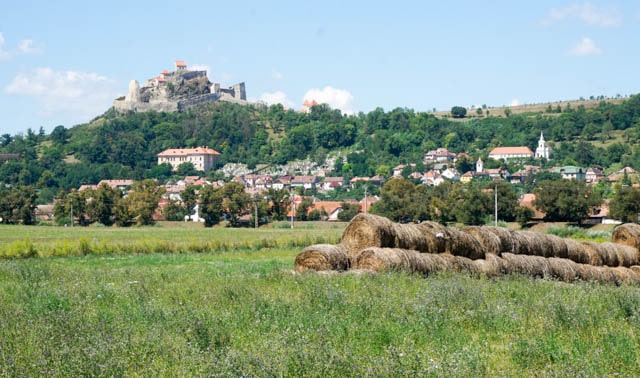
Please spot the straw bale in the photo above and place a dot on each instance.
(576, 251)
(563, 269)
(534, 266)
(410, 261)
(367, 230)
(321, 257)
(464, 244)
(490, 242)
(558, 247)
(635, 268)
(505, 236)
(627, 234)
(611, 254)
(491, 265)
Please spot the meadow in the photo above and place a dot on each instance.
(240, 311)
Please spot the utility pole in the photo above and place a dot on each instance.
(495, 203)
(255, 202)
(71, 214)
(365, 199)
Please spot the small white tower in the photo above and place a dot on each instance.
(479, 166)
(542, 151)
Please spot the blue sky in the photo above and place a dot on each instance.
(63, 62)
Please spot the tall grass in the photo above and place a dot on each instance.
(242, 313)
(579, 233)
(24, 241)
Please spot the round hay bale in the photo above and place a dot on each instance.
(624, 255)
(576, 252)
(534, 266)
(464, 245)
(556, 246)
(627, 234)
(490, 266)
(506, 238)
(367, 230)
(322, 257)
(595, 255)
(438, 236)
(459, 264)
(563, 269)
(383, 259)
(489, 241)
(635, 268)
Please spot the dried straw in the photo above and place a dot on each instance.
(611, 254)
(627, 234)
(490, 242)
(506, 239)
(367, 230)
(576, 252)
(322, 257)
(410, 261)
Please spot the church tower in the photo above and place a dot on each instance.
(479, 166)
(542, 152)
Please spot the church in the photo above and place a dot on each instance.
(542, 151)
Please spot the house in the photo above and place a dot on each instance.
(123, 185)
(619, 175)
(451, 174)
(439, 155)
(571, 172)
(306, 182)
(467, 177)
(181, 65)
(5, 157)
(432, 178)
(202, 158)
(527, 201)
(367, 201)
(328, 209)
(195, 217)
(330, 183)
(593, 175)
(282, 182)
(508, 153)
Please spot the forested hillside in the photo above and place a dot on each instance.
(115, 146)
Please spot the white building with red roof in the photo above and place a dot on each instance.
(202, 158)
(507, 153)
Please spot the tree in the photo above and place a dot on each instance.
(142, 201)
(280, 200)
(18, 205)
(189, 199)
(103, 201)
(458, 112)
(625, 205)
(470, 205)
(236, 202)
(349, 210)
(302, 210)
(507, 112)
(210, 206)
(565, 200)
(186, 169)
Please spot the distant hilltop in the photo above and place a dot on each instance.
(176, 91)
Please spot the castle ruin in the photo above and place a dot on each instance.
(176, 91)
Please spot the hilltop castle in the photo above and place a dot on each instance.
(176, 91)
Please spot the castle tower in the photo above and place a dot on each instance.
(542, 151)
(134, 92)
(479, 166)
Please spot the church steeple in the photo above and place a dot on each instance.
(543, 150)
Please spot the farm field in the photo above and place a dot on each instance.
(240, 311)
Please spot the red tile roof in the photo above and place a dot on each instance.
(511, 151)
(180, 63)
(188, 151)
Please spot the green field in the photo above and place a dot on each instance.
(240, 311)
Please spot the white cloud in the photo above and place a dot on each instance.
(587, 13)
(26, 47)
(584, 48)
(277, 97)
(81, 95)
(335, 98)
(515, 102)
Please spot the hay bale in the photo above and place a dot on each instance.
(322, 257)
(464, 244)
(576, 252)
(489, 241)
(627, 234)
(611, 254)
(635, 268)
(490, 266)
(505, 236)
(367, 230)
(534, 266)
(410, 261)
(557, 246)
(563, 269)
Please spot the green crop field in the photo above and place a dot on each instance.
(240, 311)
